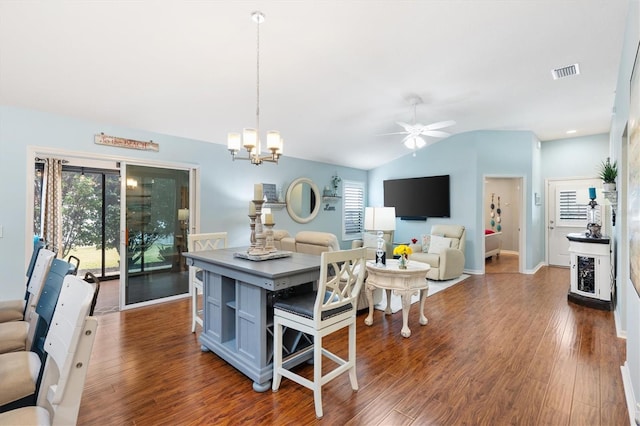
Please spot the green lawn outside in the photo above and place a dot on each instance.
(90, 257)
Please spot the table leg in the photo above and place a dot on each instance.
(423, 298)
(369, 319)
(406, 306)
(262, 387)
(388, 308)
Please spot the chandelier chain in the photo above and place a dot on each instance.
(258, 77)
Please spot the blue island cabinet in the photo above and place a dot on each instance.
(238, 306)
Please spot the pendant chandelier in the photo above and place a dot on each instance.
(250, 138)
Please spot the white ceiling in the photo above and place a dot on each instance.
(335, 74)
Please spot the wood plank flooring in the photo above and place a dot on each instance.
(498, 349)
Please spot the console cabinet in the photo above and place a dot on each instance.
(590, 263)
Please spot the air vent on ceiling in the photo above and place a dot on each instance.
(567, 71)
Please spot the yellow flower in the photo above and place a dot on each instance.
(402, 249)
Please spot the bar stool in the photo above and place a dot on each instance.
(201, 242)
(319, 314)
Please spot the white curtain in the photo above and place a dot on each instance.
(52, 204)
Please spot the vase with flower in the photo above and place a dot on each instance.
(403, 251)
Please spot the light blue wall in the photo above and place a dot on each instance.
(574, 157)
(226, 186)
(467, 158)
(628, 307)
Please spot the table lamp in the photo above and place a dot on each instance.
(380, 219)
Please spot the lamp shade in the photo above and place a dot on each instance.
(380, 218)
(183, 214)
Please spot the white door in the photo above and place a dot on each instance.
(567, 213)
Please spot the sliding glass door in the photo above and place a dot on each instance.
(156, 218)
(90, 217)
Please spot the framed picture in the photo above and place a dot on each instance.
(269, 191)
(633, 190)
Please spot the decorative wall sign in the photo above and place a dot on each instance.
(103, 139)
(269, 191)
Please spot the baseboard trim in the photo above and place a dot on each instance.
(628, 392)
(622, 334)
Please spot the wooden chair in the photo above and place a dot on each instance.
(68, 345)
(201, 242)
(14, 310)
(319, 314)
(18, 335)
(22, 392)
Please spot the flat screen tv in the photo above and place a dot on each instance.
(418, 198)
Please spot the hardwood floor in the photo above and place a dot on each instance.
(498, 349)
(505, 263)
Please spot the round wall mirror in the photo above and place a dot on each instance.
(303, 200)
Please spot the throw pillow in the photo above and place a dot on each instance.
(438, 244)
(369, 240)
(425, 238)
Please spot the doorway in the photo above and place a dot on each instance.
(94, 217)
(502, 209)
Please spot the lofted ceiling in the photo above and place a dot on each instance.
(335, 74)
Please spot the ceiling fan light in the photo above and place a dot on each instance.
(419, 142)
(410, 143)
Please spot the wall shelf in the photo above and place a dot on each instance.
(331, 198)
(275, 205)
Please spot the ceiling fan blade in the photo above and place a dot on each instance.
(439, 125)
(435, 133)
(406, 126)
(394, 133)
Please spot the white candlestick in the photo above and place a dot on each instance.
(257, 191)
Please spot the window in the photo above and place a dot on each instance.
(353, 210)
(570, 209)
(573, 209)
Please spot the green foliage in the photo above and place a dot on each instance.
(81, 208)
(608, 172)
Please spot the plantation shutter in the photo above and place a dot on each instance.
(570, 209)
(353, 213)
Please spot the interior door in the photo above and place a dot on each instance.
(567, 213)
(156, 220)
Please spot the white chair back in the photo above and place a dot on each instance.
(341, 278)
(68, 344)
(201, 242)
(36, 282)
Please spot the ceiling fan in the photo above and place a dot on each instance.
(414, 132)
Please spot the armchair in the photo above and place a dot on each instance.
(446, 262)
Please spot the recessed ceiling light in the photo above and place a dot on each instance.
(570, 132)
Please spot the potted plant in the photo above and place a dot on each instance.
(608, 173)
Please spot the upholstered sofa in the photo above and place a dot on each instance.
(443, 250)
(278, 236)
(316, 242)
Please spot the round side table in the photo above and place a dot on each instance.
(403, 282)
